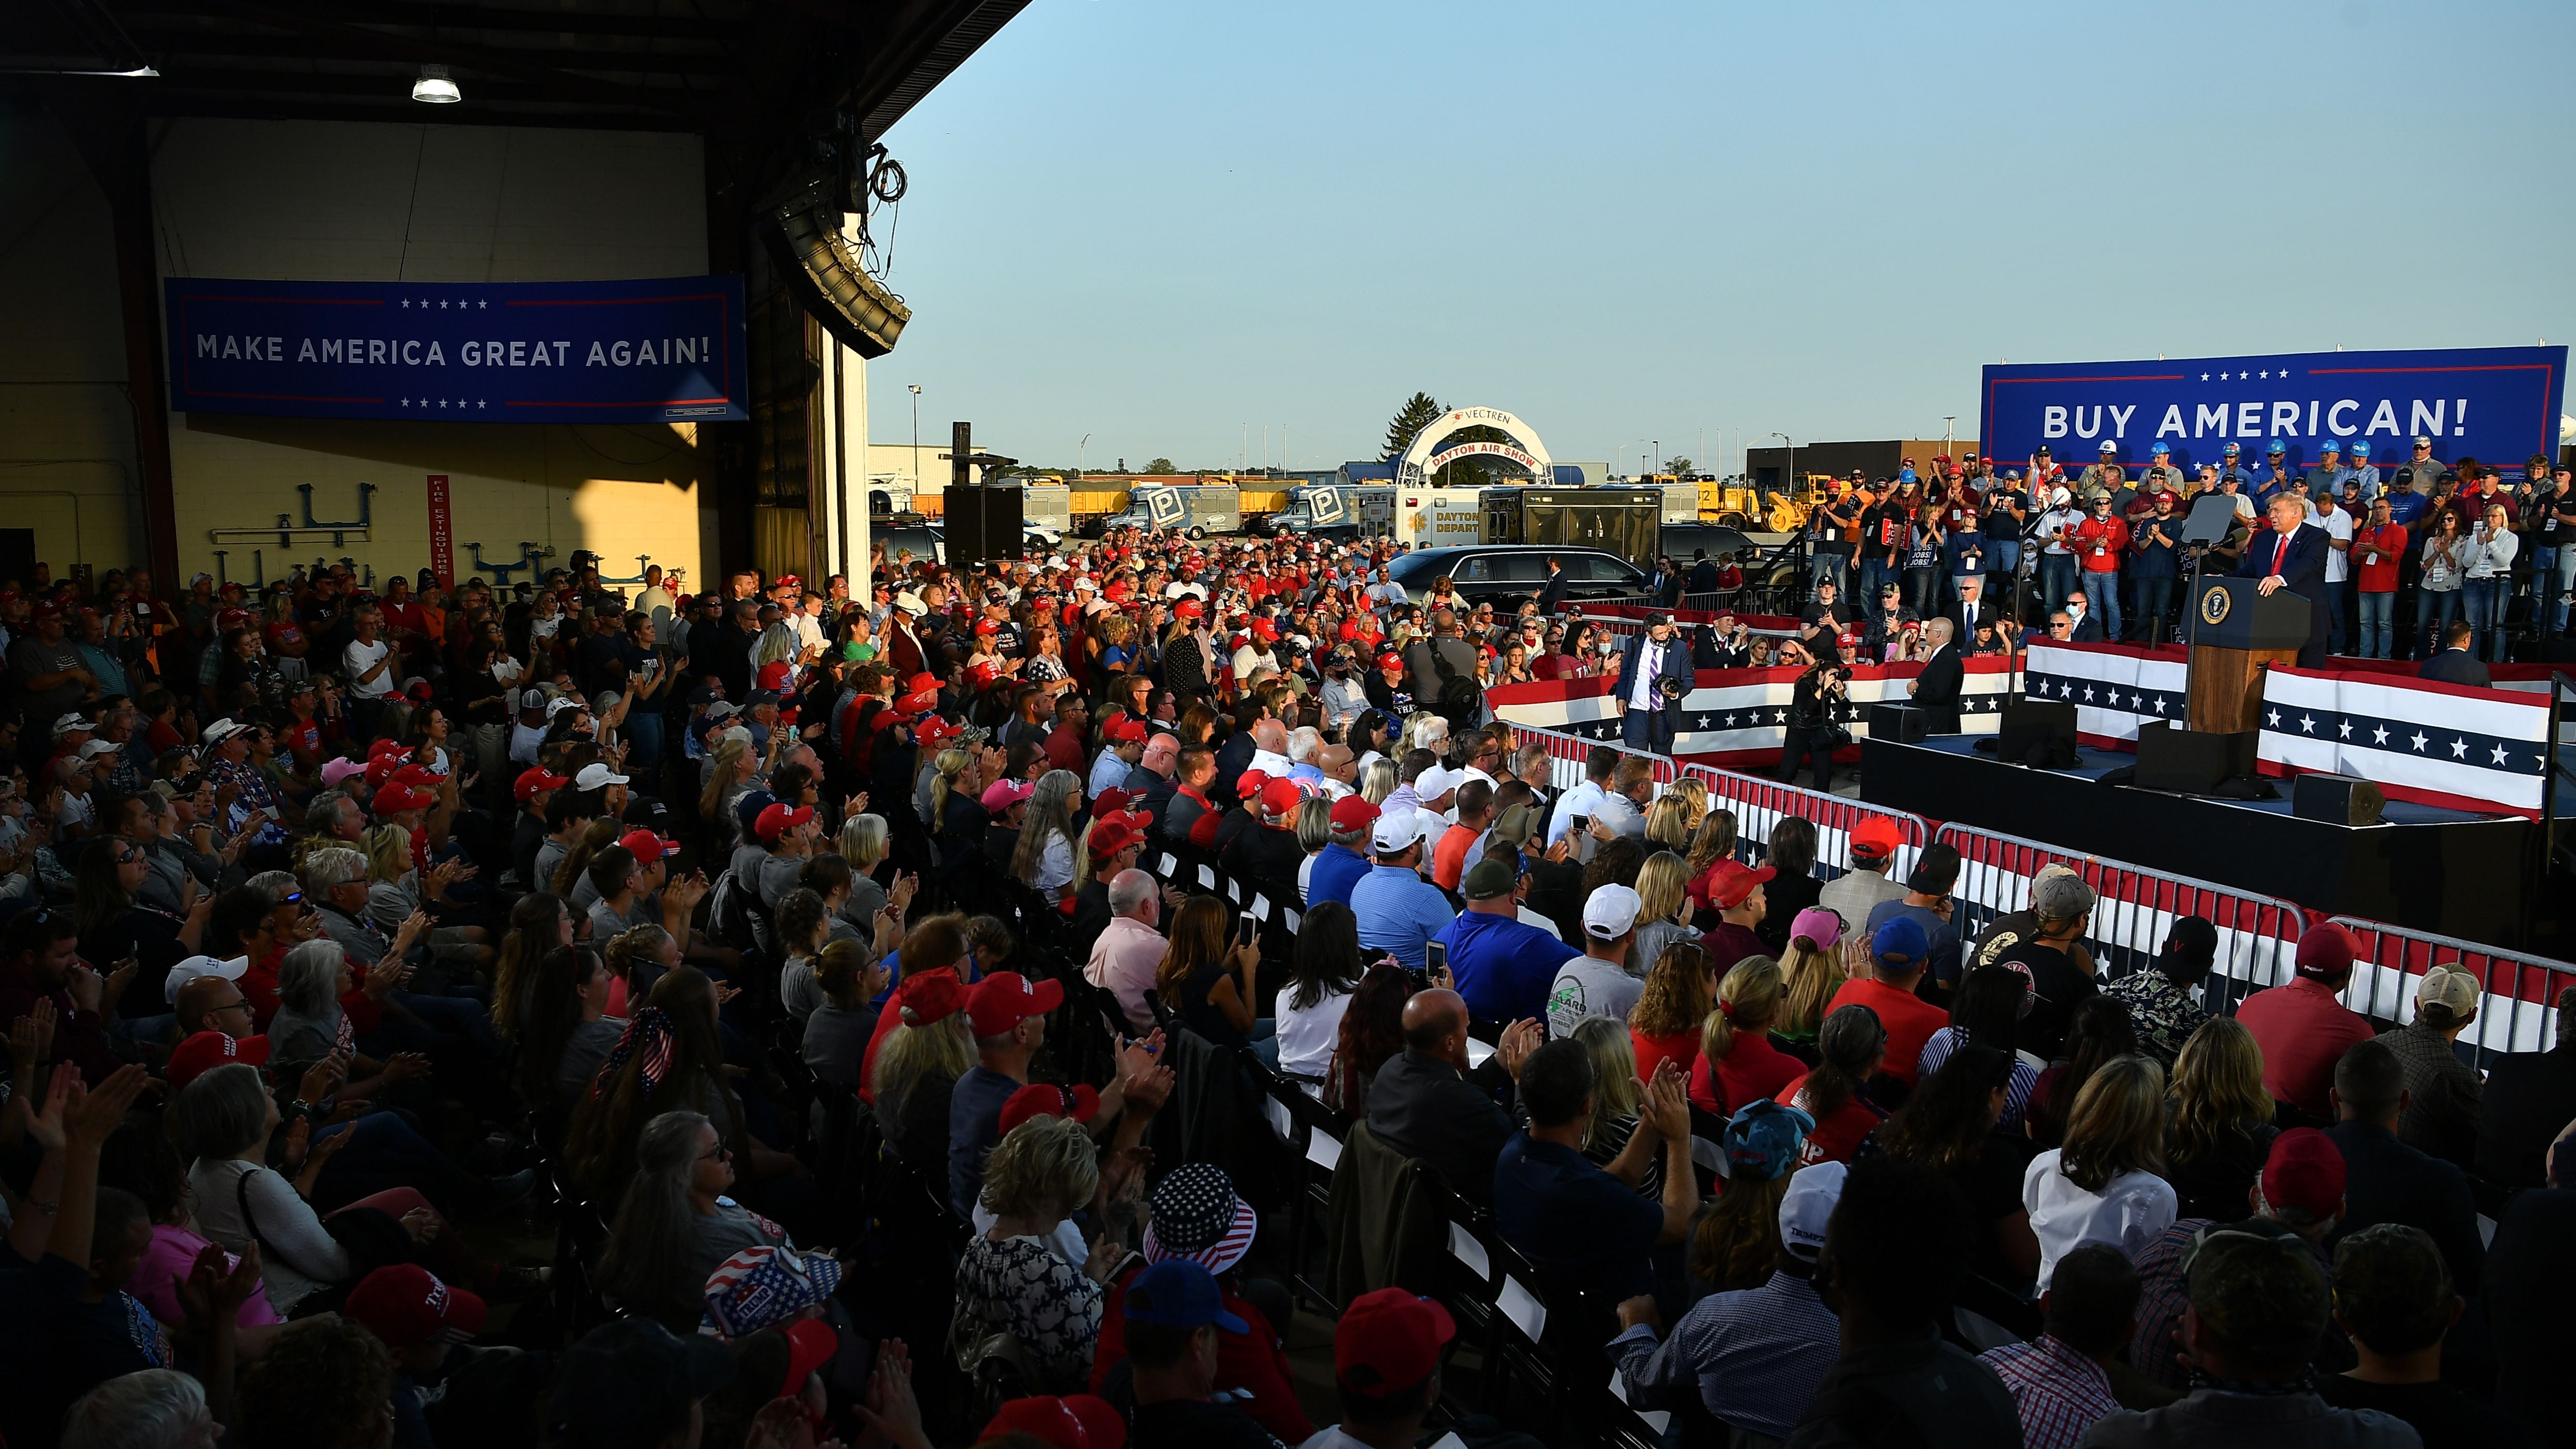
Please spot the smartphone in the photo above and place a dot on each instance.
(1435, 958)
(1577, 824)
(1243, 929)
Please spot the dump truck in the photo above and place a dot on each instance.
(1194, 510)
(1336, 511)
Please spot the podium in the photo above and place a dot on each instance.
(2235, 631)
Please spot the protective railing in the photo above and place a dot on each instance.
(1761, 804)
(1569, 755)
(2258, 935)
(2519, 1012)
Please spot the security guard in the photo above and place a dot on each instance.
(2325, 480)
(2235, 468)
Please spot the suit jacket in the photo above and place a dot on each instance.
(2457, 666)
(1936, 689)
(1551, 595)
(1423, 1107)
(2386, 1181)
(2088, 630)
(2303, 573)
(2529, 1098)
(1674, 663)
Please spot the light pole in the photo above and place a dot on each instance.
(1078, 456)
(1790, 472)
(1949, 434)
(916, 444)
(1659, 456)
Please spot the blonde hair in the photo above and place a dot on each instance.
(2117, 1125)
(1809, 978)
(388, 850)
(1663, 883)
(1044, 1162)
(1614, 1073)
(1747, 1000)
(913, 1054)
(1668, 824)
(2217, 1087)
(950, 763)
(1693, 793)
(732, 763)
(1378, 780)
(863, 841)
(635, 943)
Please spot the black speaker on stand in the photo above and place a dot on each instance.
(2191, 762)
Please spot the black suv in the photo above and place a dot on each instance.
(1503, 574)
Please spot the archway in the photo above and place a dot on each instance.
(1427, 457)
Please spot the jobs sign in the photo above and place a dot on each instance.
(657, 350)
(2497, 404)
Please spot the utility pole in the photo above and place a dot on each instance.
(1078, 451)
(916, 444)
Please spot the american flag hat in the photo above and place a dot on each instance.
(1197, 1217)
(763, 1287)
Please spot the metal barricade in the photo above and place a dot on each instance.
(2258, 936)
(1567, 756)
(1760, 804)
(2519, 1012)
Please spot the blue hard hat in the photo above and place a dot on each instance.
(2234, 448)
(2361, 447)
(2330, 445)
(2160, 448)
(2276, 446)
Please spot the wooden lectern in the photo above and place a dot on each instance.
(2235, 631)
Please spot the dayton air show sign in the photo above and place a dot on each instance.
(2497, 404)
(657, 350)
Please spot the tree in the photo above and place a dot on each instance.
(1161, 465)
(1419, 412)
(1679, 467)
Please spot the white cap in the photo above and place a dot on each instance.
(1611, 913)
(221, 730)
(2109, 447)
(1809, 1203)
(70, 720)
(193, 967)
(533, 698)
(1436, 782)
(1399, 830)
(595, 775)
(911, 603)
(562, 702)
(95, 748)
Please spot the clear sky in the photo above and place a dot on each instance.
(1159, 221)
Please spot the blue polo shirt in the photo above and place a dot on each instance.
(2406, 508)
(1337, 869)
(1399, 913)
(1562, 1212)
(1503, 967)
(974, 1125)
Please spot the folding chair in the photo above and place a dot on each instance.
(1316, 1132)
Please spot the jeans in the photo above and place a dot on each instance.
(2373, 635)
(2553, 575)
(1825, 566)
(2482, 602)
(2007, 555)
(1923, 591)
(643, 730)
(2056, 581)
(2102, 600)
(2335, 612)
(2154, 600)
(2434, 611)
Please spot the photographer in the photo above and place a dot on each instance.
(1814, 732)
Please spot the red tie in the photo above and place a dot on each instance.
(2281, 553)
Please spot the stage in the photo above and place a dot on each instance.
(2424, 866)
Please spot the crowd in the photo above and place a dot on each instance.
(2096, 549)
(816, 969)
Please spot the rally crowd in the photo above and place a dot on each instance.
(2097, 548)
(825, 968)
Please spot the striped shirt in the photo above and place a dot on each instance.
(1756, 1355)
(2058, 1392)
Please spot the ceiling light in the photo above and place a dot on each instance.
(435, 88)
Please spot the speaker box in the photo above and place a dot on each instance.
(2191, 762)
(2032, 722)
(802, 228)
(982, 524)
(2336, 799)
(1898, 723)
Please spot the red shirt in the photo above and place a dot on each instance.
(2378, 576)
(1909, 1019)
(1837, 1135)
(1753, 1069)
(2303, 1031)
(1449, 859)
(1681, 1048)
(2100, 542)
(1064, 749)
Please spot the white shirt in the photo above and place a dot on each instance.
(1055, 863)
(2127, 1214)
(2338, 526)
(1270, 762)
(1582, 800)
(360, 657)
(1307, 1038)
(1585, 986)
(1641, 695)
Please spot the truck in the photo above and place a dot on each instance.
(1047, 509)
(1195, 510)
(1336, 511)
(1625, 521)
(1440, 517)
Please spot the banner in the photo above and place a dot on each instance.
(2497, 404)
(656, 350)
(1739, 716)
(2114, 687)
(2420, 740)
(442, 533)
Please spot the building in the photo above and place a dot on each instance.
(1769, 467)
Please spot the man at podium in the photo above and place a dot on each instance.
(2292, 556)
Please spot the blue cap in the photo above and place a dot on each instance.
(748, 808)
(1762, 1141)
(2234, 448)
(2276, 446)
(2160, 448)
(1902, 939)
(1177, 1293)
(2360, 448)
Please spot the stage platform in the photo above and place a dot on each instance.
(2429, 868)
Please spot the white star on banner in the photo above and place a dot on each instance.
(442, 304)
(442, 402)
(2346, 727)
(2379, 736)
(2160, 704)
(2222, 377)
(2307, 724)
(2088, 694)
(2499, 754)
(2267, 372)
(2460, 749)
(2421, 740)
(1730, 721)
(406, 301)
(2274, 717)
(2204, 377)
(2137, 702)
(406, 402)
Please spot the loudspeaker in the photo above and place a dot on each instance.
(2336, 800)
(2191, 762)
(1898, 723)
(982, 524)
(803, 231)
(2034, 722)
